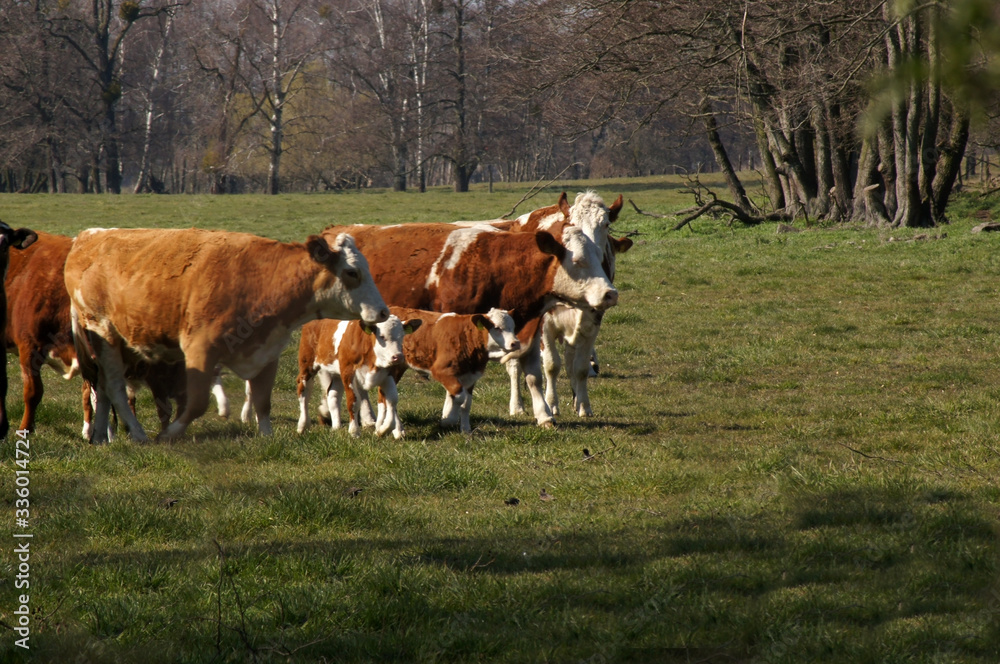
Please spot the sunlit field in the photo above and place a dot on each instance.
(794, 458)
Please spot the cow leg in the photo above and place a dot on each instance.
(457, 403)
(88, 400)
(161, 398)
(595, 365)
(466, 426)
(531, 364)
(451, 412)
(353, 407)
(100, 432)
(368, 418)
(221, 400)
(260, 393)
(516, 402)
(247, 411)
(199, 374)
(333, 387)
(112, 385)
(551, 364)
(31, 376)
(380, 413)
(578, 366)
(389, 417)
(303, 386)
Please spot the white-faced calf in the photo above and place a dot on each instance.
(455, 349)
(352, 357)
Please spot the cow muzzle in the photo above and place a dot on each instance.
(373, 316)
(609, 300)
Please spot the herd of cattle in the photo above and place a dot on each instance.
(169, 308)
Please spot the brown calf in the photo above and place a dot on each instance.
(455, 349)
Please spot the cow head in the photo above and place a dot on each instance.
(580, 280)
(590, 214)
(501, 340)
(345, 289)
(389, 339)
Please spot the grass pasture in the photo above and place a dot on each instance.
(796, 460)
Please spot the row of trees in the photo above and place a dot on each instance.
(845, 109)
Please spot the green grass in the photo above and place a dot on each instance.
(796, 460)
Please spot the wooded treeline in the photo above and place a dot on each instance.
(850, 109)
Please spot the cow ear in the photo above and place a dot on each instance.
(320, 251)
(24, 238)
(482, 322)
(621, 245)
(564, 205)
(615, 208)
(550, 245)
(412, 325)
(367, 328)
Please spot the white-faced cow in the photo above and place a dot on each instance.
(20, 238)
(594, 218)
(444, 268)
(352, 357)
(575, 329)
(454, 350)
(205, 298)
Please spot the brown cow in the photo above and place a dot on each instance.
(38, 322)
(205, 298)
(441, 267)
(21, 238)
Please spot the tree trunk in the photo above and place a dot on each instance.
(142, 183)
(823, 157)
(950, 163)
(736, 189)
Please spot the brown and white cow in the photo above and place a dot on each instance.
(20, 238)
(454, 350)
(38, 321)
(205, 298)
(441, 267)
(594, 218)
(352, 357)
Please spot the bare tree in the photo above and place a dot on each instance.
(97, 36)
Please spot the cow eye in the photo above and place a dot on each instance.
(353, 275)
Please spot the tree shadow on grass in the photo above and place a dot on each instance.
(866, 574)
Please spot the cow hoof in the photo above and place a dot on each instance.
(548, 424)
